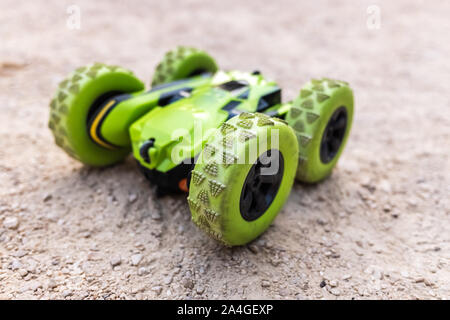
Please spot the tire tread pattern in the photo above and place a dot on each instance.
(169, 64)
(307, 109)
(206, 214)
(65, 93)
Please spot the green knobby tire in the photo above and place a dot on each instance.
(221, 170)
(318, 104)
(71, 104)
(181, 63)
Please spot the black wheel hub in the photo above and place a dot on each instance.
(333, 135)
(261, 185)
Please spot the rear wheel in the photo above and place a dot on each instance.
(321, 117)
(78, 100)
(243, 178)
(182, 63)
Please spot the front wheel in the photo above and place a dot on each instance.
(243, 178)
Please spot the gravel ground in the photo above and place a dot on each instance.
(379, 228)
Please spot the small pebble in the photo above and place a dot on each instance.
(412, 202)
(11, 223)
(155, 215)
(67, 293)
(385, 186)
(275, 262)
(366, 182)
(20, 253)
(428, 283)
(142, 271)
(346, 277)
(23, 272)
(168, 280)
(132, 198)
(115, 261)
(136, 259)
(52, 284)
(300, 296)
(265, 284)
(334, 283)
(157, 290)
(253, 248)
(35, 285)
(139, 245)
(85, 234)
(335, 292)
(188, 283)
(284, 292)
(200, 290)
(15, 265)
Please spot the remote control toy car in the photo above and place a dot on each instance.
(224, 138)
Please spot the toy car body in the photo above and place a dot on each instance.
(194, 129)
(177, 110)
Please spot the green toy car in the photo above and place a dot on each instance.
(225, 138)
